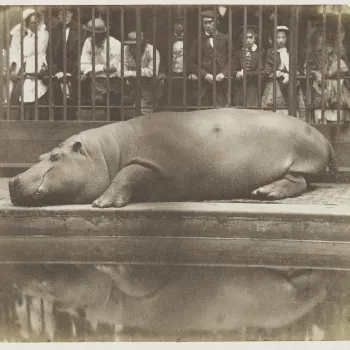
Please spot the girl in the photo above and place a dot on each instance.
(282, 76)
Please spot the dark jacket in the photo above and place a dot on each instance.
(238, 62)
(207, 58)
(71, 48)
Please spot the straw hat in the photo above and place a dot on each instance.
(131, 40)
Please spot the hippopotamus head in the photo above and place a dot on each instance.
(68, 174)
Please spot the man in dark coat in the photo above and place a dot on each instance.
(207, 62)
(71, 36)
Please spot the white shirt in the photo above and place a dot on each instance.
(178, 56)
(29, 60)
(146, 62)
(67, 33)
(211, 39)
(284, 59)
(101, 56)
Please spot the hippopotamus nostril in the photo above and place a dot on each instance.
(40, 192)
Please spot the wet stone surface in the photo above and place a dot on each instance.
(319, 194)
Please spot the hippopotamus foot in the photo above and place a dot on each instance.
(124, 185)
(289, 186)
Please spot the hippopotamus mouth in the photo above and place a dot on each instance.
(22, 197)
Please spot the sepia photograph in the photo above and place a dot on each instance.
(174, 173)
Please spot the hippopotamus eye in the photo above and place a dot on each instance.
(54, 157)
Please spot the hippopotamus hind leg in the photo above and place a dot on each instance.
(126, 183)
(288, 186)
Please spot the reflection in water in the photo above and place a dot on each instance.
(65, 302)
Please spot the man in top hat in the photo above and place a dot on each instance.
(147, 71)
(100, 51)
(248, 56)
(68, 33)
(207, 62)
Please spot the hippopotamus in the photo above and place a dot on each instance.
(185, 156)
(188, 298)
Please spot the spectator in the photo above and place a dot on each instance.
(100, 50)
(207, 62)
(35, 27)
(15, 54)
(71, 36)
(3, 97)
(252, 55)
(282, 76)
(176, 64)
(331, 78)
(147, 72)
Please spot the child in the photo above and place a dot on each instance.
(282, 76)
(252, 56)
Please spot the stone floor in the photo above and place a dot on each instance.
(319, 194)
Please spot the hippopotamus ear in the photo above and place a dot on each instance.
(43, 156)
(76, 146)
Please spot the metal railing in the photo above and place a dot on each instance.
(132, 94)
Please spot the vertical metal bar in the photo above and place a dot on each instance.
(323, 64)
(42, 311)
(122, 61)
(79, 64)
(36, 114)
(138, 61)
(229, 87)
(308, 88)
(64, 65)
(28, 305)
(154, 40)
(338, 61)
(292, 85)
(245, 57)
(22, 64)
(274, 57)
(170, 57)
(2, 64)
(214, 55)
(260, 57)
(8, 59)
(184, 71)
(93, 52)
(50, 66)
(200, 26)
(108, 64)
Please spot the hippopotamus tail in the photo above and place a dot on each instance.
(332, 163)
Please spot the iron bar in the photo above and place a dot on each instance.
(274, 57)
(108, 49)
(122, 62)
(79, 63)
(50, 66)
(260, 57)
(323, 65)
(339, 17)
(200, 26)
(244, 57)
(214, 55)
(138, 61)
(64, 35)
(230, 52)
(184, 71)
(93, 53)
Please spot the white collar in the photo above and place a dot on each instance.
(254, 47)
(282, 49)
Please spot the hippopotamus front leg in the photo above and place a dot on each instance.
(130, 180)
(288, 186)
